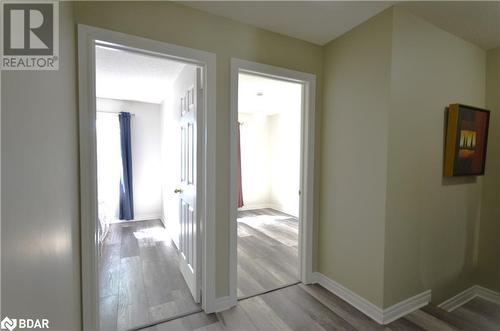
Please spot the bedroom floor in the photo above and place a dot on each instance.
(267, 251)
(140, 281)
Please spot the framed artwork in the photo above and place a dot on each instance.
(466, 141)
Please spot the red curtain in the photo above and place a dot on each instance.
(238, 171)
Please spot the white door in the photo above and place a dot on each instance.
(187, 104)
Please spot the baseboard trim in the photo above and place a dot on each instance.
(487, 294)
(148, 217)
(267, 206)
(407, 306)
(221, 304)
(138, 219)
(465, 296)
(379, 315)
(255, 206)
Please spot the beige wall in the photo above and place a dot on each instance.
(40, 216)
(354, 157)
(390, 226)
(40, 194)
(489, 248)
(185, 26)
(432, 223)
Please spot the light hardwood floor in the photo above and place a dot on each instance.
(267, 251)
(311, 307)
(140, 281)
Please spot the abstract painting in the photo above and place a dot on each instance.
(466, 141)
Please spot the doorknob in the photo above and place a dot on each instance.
(177, 190)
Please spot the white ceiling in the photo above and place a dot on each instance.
(475, 21)
(314, 21)
(267, 96)
(131, 76)
(322, 21)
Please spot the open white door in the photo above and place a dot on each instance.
(187, 103)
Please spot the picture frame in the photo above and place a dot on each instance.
(466, 141)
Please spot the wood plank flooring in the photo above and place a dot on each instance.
(140, 281)
(311, 307)
(267, 251)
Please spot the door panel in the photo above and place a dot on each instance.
(187, 90)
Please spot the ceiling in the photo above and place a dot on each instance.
(131, 76)
(322, 21)
(267, 96)
(315, 21)
(475, 21)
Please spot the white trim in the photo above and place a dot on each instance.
(223, 303)
(139, 219)
(148, 217)
(274, 206)
(487, 294)
(256, 206)
(379, 315)
(87, 37)
(465, 296)
(458, 300)
(405, 307)
(306, 208)
(355, 300)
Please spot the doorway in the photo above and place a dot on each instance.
(147, 187)
(146, 123)
(272, 128)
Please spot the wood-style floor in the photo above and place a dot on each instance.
(310, 307)
(140, 281)
(267, 251)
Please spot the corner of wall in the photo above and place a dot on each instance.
(356, 95)
(488, 270)
(420, 205)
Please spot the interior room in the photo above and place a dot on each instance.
(400, 211)
(269, 126)
(140, 278)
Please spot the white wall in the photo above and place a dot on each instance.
(40, 252)
(146, 157)
(255, 162)
(170, 152)
(270, 160)
(284, 156)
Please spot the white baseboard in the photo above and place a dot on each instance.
(148, 217)
(255, 206)
(487, 294)
(379, 315)
(221, 304)
(407, 306)
(138, 219)
(472, 292)
(267, 206)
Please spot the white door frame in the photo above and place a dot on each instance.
(87, 37)
(306, 208)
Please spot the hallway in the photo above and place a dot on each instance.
(311, 307)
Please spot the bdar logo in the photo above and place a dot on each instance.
(8, 324)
